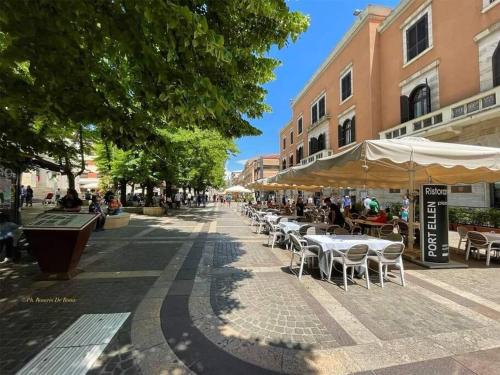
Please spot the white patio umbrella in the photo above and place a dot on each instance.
(238, 189)
(401, 163)
(266, 184)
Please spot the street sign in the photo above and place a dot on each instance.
(434, 223)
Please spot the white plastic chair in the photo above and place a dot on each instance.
(356, 255)
(462, 233)
(304, 251)
(390, 255)
(274, 232)
(478, 241)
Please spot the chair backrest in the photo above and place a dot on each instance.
(296, 245)
(393, 251)
(356, 229)
(331, 229)
(394, 237)
(403, 227)
(303, 229)
(357, 253)
(462, 231)
(386, 229)
(477, 238)
(341, 231)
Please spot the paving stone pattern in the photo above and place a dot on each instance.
(261, 307)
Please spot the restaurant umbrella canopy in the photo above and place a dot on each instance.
(400, 163)
(237, 189)
(266, 184)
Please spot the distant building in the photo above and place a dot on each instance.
(427, 68)
(262, 166)
(234, 178)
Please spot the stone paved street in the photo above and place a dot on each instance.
(207, 296)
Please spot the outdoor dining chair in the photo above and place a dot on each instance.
(394, 237)
(307, 229)
(341, 232)
(478, 241)
(385, 230)
(274, 232)
(304, 252)
(462, 233)
(355, 256)
(328, 230)
(390, 255)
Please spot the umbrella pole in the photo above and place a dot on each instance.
(411, 213)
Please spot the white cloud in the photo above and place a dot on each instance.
(242, 161)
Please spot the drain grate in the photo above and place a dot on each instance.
(77, 348)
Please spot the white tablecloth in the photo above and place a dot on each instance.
(341, 243)
(288, 226)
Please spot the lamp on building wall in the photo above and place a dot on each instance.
(356, 12)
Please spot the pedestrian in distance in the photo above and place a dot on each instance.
(29, 196)
(7, 229)
(95, 208)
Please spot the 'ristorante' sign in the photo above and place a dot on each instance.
(434, 223)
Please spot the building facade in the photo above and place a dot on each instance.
(428, 68)
(262, 166)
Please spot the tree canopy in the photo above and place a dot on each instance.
(128, 68)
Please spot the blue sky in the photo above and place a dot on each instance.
(329, 21)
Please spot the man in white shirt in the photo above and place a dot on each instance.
(366, 204)
(178, 199)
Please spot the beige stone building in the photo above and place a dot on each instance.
(262, 166)
(428, 68)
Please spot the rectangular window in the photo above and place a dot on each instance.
(318, 110)
(284, 143)
(394, 191)
(461, 189)
(291, 138)
(321, 107)
(299, 126)
(417, 38)
(346, 87)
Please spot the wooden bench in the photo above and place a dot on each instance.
(117, 221)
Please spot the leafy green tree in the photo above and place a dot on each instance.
(131, 67)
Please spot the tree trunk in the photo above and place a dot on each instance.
(123, 192)
(149, 194)
(71, 179)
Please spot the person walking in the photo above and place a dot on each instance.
(178, 200)
(189, 198)
(58, 195)
(366, 204)
(29, 196)
(7, 229)
(22, 195)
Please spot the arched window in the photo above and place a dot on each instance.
(283, 164)
(299, 154)
(347, 131)
(420, 101)
(313, 146)
(321, 142)
(496, 66)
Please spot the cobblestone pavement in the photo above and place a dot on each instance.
(207, 296)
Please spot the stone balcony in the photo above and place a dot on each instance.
(450, 119)
(316, 156)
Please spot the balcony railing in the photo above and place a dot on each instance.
(316, 156)
(320, 121)
(474, 105)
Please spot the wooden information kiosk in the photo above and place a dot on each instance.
(57, 240)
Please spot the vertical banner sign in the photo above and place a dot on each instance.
(434, 223)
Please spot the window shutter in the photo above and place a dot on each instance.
(404, 104)
(340, 135)
(353, 130)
